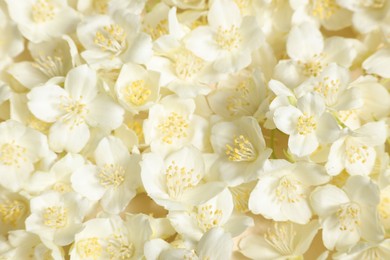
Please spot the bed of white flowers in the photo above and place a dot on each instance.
(194, 129)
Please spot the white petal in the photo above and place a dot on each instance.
(215, 244)
(328, 129)
(224, 13)
(115, 200)
(360, 167)
(279, 88)
(326, 199)
(201, 42)
(298, 212)
(311, 174)
(378, 63)
(286, 119)
(304, 41)
(365, 134)
(336, 158)
(256, 247)
(362, 190)
(111, 150)
(140, 51)
(302, 145)
(45, 101)
(27, 74)
(80, 83)
(262, 199)
(69, 138)
(85, 181)
(311, 104)
(104, 113)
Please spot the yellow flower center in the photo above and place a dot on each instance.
(111, 38)
(241, 195)
(111, 175)
(323, 9)
(372, 3)
(281, 238)
(62, 187)
(314, 67)
(160, 29)
(51, 66)
(328, 87)
(175, 126)
(75, 111)
(306, 124)
(228, 39)
(187, 65)
(119, 247)
(101, 6)
(11, 211)
(241, 151)
(348, 216)
(55, 217)
(238, 103)
(12, 154)
(42, 11)
(242, 4)
(136, 93)
(384, 205)
(89, 248)
(208, 217)
(357, 153)
(180, 179)
(289, 190)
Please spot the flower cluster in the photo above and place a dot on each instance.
(194, 129)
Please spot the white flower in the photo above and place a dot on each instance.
(42, 20)
(366, 250)
(348, 214)
(355, 150)
(378, 63)
(136, 88)
(10, 38)
(73, 109)
(238, 95)
(56, 178)
(26, 245)
(20, 148)
(384, 208)
(176, 182)
(114, 178)
(57, 217)
(217, 212)
(282, 193)
(214, 244)
(307, 124)
(112, 238)
(368, 15)
(52, 60)
(13, 211)
(309, 54)
(327, 13)
(229, 39)
(112, 41)
(171, 124)
(284, 240)
(332, 85)
(181, 70)
(241, 148)
(376, 98)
